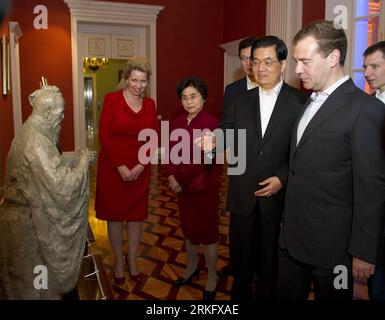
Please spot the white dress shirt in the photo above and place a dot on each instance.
(267, 102)
(317, 100)
(251, 84)
(380, 95)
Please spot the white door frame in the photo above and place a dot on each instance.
(113, 13)
(15, 33)
(232, 66)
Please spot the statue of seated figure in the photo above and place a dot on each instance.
(44, 213)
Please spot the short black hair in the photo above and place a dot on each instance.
(245, 43)
(379, 46)
(192, 81)
(269, 41)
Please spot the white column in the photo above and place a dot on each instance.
(232, 69)
(284, 19)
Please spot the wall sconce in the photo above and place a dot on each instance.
(94, 64)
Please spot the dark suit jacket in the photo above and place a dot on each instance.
(264, 157)
(232, 91)
(381, 255)
(335, 198)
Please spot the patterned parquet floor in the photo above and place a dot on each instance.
(161, 254)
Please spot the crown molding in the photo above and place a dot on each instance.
(113, 10)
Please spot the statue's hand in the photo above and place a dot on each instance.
(91, 156)
(87, 155)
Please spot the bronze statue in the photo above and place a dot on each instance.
(43, 218)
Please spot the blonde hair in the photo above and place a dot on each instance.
(134, 63)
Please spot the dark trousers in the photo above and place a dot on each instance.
(376, 284)
(295, 279)
(254, 246)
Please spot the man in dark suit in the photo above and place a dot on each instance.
(374, 66)
(255, 198)
(249, 81)
(335, 197)
(233, 90)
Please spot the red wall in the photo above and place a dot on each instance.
(6, 112)
(312, 10)
(189, 33)
(243, 18)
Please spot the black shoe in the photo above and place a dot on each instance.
(226, 271)
(209, 295)
(182, 281)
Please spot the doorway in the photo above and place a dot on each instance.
(90, 111)
(116, 18)
(96, 85)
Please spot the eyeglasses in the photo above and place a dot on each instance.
(266, 63)
(245, 58)
(193, 97)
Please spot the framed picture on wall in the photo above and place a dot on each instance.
(96, 46)
(124, 48)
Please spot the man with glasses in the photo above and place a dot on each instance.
(255, 198)
(248, 82)
(374, 66)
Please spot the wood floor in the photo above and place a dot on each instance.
(161, 253)
(161, 256)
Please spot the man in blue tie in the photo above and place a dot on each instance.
(374, 66)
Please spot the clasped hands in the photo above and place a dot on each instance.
(130, 175)
(174, 185)
(362, 269)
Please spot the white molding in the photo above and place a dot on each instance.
(229, 63)
(15, 34)
(382, 25)
(114, 13)
(113, 10)
(111, 33)
(231, 48)
(284, 19)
